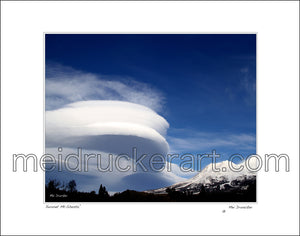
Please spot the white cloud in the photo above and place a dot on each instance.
(65, 85)
(105, 114)
(103, 127)
(111, 126)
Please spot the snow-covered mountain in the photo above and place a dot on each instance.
(226, 179)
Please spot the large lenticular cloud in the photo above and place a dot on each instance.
(110, 126)
(114, 127)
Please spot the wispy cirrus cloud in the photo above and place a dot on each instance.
(66, 85)
(248, 85)
(245, 89)
(190, 141)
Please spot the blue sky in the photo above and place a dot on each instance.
(203, 85)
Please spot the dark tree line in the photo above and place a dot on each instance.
(57, 192)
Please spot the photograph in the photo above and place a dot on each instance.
(150, 117)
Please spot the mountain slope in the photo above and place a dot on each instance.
(209, 180)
